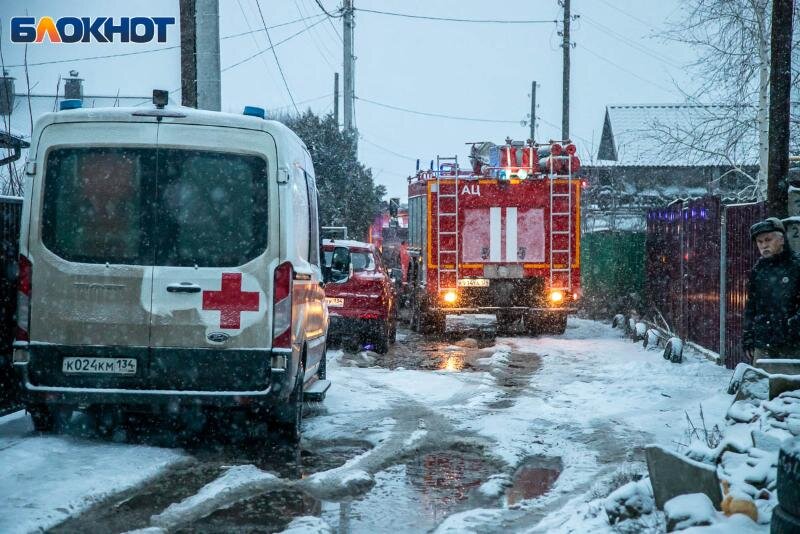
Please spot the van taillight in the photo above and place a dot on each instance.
(282, 307)
(24, 286)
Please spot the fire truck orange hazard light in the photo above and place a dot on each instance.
(450, 297)
(556, 296)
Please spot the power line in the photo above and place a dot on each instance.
(633, 44)
(252, 35)
(162, 49)
(248, 58)
(388, 150)
(449, 19)
(275, 55)
(326, 12)
(308, 100)
(233, 35)
(321, 47)
(627, 14)
(330, 21)
(437, 115)
(620, 67)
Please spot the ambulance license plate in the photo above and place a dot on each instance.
(334, 302)
(107, 366)
(473, 282)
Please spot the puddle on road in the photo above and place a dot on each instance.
(413, 496)
(414, 351)
(533, 479)
(132, 508)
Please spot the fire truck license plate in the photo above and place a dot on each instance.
(334, 302)
(474, 282)
(112, 366)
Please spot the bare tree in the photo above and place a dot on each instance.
(732, 39)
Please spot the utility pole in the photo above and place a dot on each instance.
(200, 68)
(188, 51)
(533, 110)
(209, 89)
(336, 98)
(780, 79)
(565, 82)
(349, 67)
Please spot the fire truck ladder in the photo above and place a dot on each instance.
(442, 253)
(560, 225)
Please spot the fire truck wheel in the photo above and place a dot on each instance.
(505, 322)
(555, 324)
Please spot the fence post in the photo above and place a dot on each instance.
(723, 281)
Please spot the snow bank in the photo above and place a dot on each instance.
(689, 510)
(47, 479)
(308, 525)
(237, 483)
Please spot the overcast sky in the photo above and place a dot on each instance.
(481, 71)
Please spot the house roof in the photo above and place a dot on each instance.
(676, 135)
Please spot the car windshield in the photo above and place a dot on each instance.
(363, 261)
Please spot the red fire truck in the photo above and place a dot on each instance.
(502, 237)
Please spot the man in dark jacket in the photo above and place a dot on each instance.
(772, 313)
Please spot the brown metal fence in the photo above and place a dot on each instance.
(663, 283)
(740, 256)
(698, 250)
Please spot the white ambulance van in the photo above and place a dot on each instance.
(169, 260)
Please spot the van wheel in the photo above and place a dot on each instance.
(43, 419)
(287, 418)
(49, 419)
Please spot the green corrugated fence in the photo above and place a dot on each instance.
(612, 271)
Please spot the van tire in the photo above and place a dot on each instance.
(287, 417)
(43, 418)
(49, 418)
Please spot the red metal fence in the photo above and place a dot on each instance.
(698, 250)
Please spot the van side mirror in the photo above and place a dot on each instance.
(341, 266)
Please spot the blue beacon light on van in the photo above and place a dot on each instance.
(71, 103)
(254, 111)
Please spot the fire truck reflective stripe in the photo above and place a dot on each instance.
(511, 234)
(495, 234)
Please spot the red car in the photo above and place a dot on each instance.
(361, 302)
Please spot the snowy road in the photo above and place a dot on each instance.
(516, 436)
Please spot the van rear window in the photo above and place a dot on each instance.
(166, 207)
(96, 204)
(211, 209)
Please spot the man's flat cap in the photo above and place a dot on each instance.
(772, 224)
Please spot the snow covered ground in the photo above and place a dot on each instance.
(46, 479)
(583, 404)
